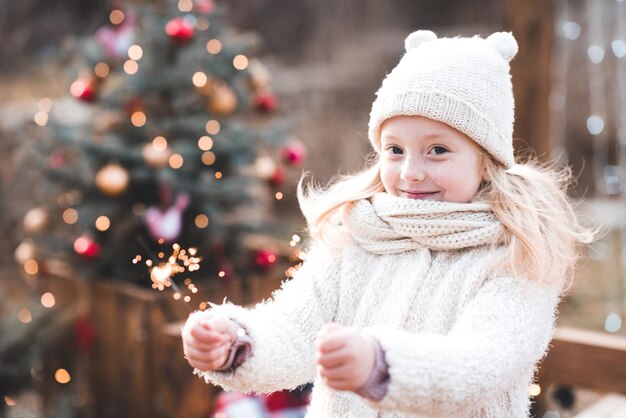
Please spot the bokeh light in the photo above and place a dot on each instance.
(240, 62)
(202, 221)
(116, 17)
(176, 161)
(205, 143)
(135, 52)
(212, 127)
(62, 376)
(103, 223)
(214, 46)
(131, 67)
(70, 216)
(48, 300)
(138, 119)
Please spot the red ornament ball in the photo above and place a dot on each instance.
(180, 29)
(56, 160)
(265, 258)
(87, 247)
(278, 177)
(206, 6)
(294, 152)
(265, 102)
(83, 89)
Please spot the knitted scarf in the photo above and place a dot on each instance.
(387, 224)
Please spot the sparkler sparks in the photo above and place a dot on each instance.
(162, 271)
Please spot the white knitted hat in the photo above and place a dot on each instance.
(462, 82)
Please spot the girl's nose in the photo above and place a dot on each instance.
(412, 170)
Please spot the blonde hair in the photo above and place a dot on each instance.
(542, 231)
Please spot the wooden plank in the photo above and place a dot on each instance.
(589, 359)
(612, 405)
(532, 23)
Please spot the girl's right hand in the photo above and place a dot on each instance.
(207, 339)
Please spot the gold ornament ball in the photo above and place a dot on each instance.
(155, 157)
(223, 100)
(112, 179)
(36, 220)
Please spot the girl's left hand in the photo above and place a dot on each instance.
(344, 357)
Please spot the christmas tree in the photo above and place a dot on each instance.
(181, 145)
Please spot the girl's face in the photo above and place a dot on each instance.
(424, 159)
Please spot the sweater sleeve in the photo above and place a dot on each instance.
(283, 329)
(501, 333)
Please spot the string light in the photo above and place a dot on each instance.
(45, 104)
(218, 175)
(48, 300)
(619, 48)
(221, 274)
(613, 323)
(131, 67)
(202, 25)
(116, 17)
(212, 127)
(202, 221)
(138, 119)
(240, 62)
(534, 390)
(571, 30)
(595, 54)
(41, 118)
(185, 5)
(101, 69)
(102, 223)
(24, 316)
(62, 376)
(595, 125)
(214, 46)
(159, 143)
(31, 267)
(199, 79)
(208, 158)
(70, 216)
(135, 52)
(279, 196)
(176, 161)
(205, 143)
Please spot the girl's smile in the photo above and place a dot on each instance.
(425, 159)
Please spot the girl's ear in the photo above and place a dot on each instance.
(485, 177)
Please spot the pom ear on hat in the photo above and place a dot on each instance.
(417, 38)
(504, 43)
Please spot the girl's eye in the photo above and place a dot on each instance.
(394, 149)
(438, 150)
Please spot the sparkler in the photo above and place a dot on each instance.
(179, 261)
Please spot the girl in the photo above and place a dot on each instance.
(432, 286)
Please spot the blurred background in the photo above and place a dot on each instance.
(150, 152)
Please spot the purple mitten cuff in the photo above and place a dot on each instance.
(240, 351)
(375, 387)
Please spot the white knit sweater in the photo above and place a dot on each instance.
(460, 341)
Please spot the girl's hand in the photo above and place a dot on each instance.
(345, 357)
(207, 339)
